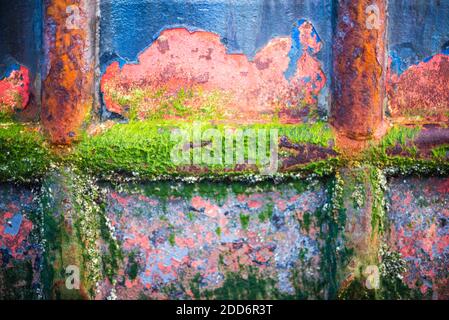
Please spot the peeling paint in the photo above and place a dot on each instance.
(20, 248)
(180, 59)
(15, 90)
(174, 238)
(420, 232)
(421, 92)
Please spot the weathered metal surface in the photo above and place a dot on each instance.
(359, 68)
(15, 90)
(69, 32)
(237, 61)
(188, 241)
(245, 91)
(424, 144)
(420, 94)
(419, 230)
(20, 56)
(20, 248)
(262, 57)
(418, 38)
(20, 36)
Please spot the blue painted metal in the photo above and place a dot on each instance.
(14, 226)
(21, 35)
(297, 50)
(417, 31)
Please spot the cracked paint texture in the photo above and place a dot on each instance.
(419, 230)
(284, 76)
(169, 242)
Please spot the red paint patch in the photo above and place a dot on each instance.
(254, 204)
(421, 91)
(248, 90)
(15, 91)
(14, 243)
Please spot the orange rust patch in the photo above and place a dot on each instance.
(68, 87)
(359, 86)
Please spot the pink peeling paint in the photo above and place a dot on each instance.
(15, 91)
(420, 232)
(251, 91)
(186, 237)
(421, 91)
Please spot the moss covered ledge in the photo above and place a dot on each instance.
(411, 150)
(144, 150)
(25, 155)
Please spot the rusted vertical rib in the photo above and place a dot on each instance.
(69, 77)
(359, 68)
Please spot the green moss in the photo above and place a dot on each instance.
(357, 290)
(84, 195)
(320, 168)
(132, 149)
(193, 104)
(250, 284)
(267, 213)
(244, 285)
(399, 135)
(58, 245)
(144, 149)
(378, 183)
(195, 286)
(236, 287)
(392, 269)
(244, 221)
(331, 220)
(133, 266)
(318, 133)
(16, 282)
(391, 284)
(24, 155)
(172, 239)
(306, 221)
(191, 215)
(5, 116)
(394, 166)
(74, 224)
(408, 164)
(113, 256)
(441, 152)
